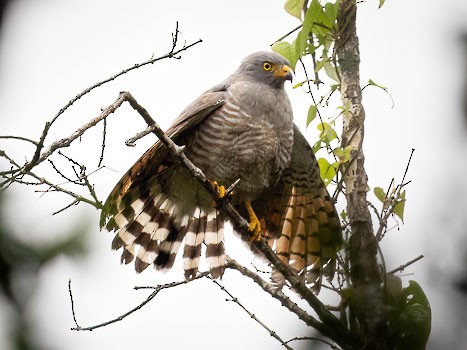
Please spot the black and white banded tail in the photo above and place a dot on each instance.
(151, 231)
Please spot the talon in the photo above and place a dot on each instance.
(255, 226)
(221, 191)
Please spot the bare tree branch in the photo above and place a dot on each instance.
(173, 53)
(156, 291)
(408, 263)
(331, 345)
(19, 138)
(252, 316)
(277, 294)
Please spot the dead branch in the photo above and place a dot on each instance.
(408, 263)
(18, 173)
(252, 316)
(332, 346)
(151, 296)
(277, 294)
(173, 53)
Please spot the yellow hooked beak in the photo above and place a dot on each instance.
(283, 71)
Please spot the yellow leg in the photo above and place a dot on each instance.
(255, 226)
(220, 189)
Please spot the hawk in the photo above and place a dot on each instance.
(241, 129)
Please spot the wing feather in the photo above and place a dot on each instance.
(156, 159)
(302, 224)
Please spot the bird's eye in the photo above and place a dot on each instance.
(267, 66)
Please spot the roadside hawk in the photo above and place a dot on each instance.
(241, 129)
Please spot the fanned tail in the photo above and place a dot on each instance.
(154, 228)
(207, 228)
(309, 238)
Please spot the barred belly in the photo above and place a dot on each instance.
(232, 145)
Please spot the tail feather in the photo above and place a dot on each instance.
(214, 240)
(169, 247)
(193, 240)
(306, 240)
(299, 238)
(151, 231)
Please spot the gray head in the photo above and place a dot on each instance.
(266, 67)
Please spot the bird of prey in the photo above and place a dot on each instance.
(241, 129)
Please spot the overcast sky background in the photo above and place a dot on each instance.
(51, 50)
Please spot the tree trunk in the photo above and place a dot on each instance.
(367, 302)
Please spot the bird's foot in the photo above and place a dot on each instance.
(255, 226)
(221, 191)
(223, 195)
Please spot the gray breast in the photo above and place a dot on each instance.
(249, 138)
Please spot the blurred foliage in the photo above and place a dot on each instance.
(20, 264)
(409, 314)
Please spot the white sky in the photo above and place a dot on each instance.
(51, 50)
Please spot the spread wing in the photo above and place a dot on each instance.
(156, 158)
(300, 220)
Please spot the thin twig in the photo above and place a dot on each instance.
(12, 171)
(333, 346)
(277, 294)
(76, 182)
(75, 202)
(38, 158)
(408, 165)
(97, 204)
(403, 266)
(104, 132)
(19, 138)
(72, 304)
(156, 291)
(65, 142)
(253, 316)
(287, 34)
(131, 141)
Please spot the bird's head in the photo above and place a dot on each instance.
(266, 67)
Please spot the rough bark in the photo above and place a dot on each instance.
(367, 302)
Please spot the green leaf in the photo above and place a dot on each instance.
(343, 153)
(380, 194)
(414, 324)
(399, 207)
(316, 147)
(384, 88)
(327, 132)
(331, 9)
(301, 42)
(311, 114)
(371, 82)
(319, 64)
(314, 15)
(311, 14)
(326, 170)
(381, 3)
(330, 70)
(318, 23)
(299, 84)
(294, 8)
(344, 215)
(286, 50)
